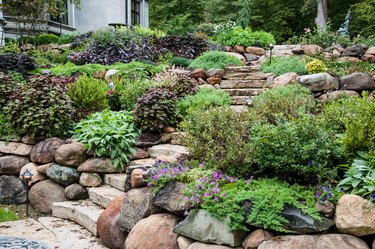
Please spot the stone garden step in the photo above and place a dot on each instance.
(241, 100)
(167, 150)
(115, 180)
(247, 76)
(244, 91)
(246, 69)
(245, 83)
(104, 194)
(84, 213)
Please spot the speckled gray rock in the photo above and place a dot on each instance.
(202, 226)
(76, 192)
(90, 179)
(171, 198)
(98, 165)
(319, 82)
(357, 81)
(63, 175)
(12, 190)
(15, 148)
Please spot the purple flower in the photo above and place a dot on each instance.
(341, 189)
(310, 163)
(149, 184)
(224, 195)
(216, 190)
(186, 198)
(197, 200)
(327, 189)
(329, 195)
(248, 181)
(186, 213)
(155, 178)
(318, 194)
(206, 194)
(202, 164)
(373, 197)
(320, 188)
(324, 200)
(172, 175)
(216, 199)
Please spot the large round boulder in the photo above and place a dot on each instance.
(72, 154)
(44, 151)
(76, 192)
(154, 232)
(12, 190)
(108, 227)
(44, 193)
(11, 165)
(355, 215)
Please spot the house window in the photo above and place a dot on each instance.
(63, 18)
(136, 9)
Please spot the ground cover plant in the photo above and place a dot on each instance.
(216, 60)
(7, 215)
(281, 65)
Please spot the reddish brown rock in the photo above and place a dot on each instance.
(239, 49)
(154, 232)
(72, 154)
(213, 81)
(327, 208)
(44, 193)
(370, 50)
(198, 73)
(256, 51)
(357, 81)
(139, 154)
(348, 59)
(166, 159)
(43, 168)
(215, 73)
(33, 169)
(168, 129)
(368, 58)
(98, 165)
(44, 151)
(107, 224)
(284, 80)
(90, 179)
(312, 49)
(255, 238)
(336, 94)
(165, 137)
(136, 178)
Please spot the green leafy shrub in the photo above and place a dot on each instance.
(344, 68)
(353, 118)
(359, 178)
(297, 150)
(136, 70)
(316, 66)
(215, 59)
(39, 108)
(107, 37)
(89, 93)
(67, 38)
(143, 31)
(220, 135)
(46, 39)
(281, 65)
(245, 37)
(289, 102)
(204, 99)
(126, 92)
(181, 61)
(155, 110)
(110, 134)
(7, 84)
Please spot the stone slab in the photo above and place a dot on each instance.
(15, 148)
(244, 91)
(115, 180)
(103, 195)
(167, 150)
(84, 213)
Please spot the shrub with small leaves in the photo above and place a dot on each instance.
(46, 39)
(110, 134)
(181, 61)
(89, 93)
(184, 86)
(316, 66)
(155, 110)
(215, 60)
(6, 87)
(39, 108)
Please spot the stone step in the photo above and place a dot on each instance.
(238, 84)
(84, 213)
(104, 194)
(167, 150)
(247, 76)
(244, 91)
(115, 180)
(240, 100)
(245, 69)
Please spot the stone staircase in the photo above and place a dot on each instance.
(87, 212)
(244, 82)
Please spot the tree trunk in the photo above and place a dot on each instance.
(322, 15)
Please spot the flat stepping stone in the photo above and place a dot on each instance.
(167, 150)
(84, 213)
(104, 194)
(78, 236)
(115, 180)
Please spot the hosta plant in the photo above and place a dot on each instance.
(109, 134)
(155, 110)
